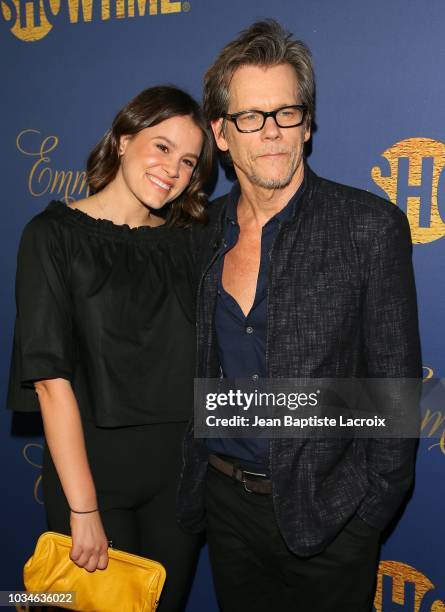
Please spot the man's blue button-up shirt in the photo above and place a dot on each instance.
(241, 340)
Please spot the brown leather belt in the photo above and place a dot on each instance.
(251, 485)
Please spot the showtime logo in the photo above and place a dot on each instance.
(403, 588)
(32, 20)
(413, 177)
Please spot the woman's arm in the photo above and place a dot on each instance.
(64, 436)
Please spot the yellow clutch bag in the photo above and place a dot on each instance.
(129, 584)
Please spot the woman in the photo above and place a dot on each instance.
(105, 337)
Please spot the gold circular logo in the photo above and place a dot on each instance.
(413, 177)
(409, 587)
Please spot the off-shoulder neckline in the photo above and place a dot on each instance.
(103, 225)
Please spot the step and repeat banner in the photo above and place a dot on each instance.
(69, 65)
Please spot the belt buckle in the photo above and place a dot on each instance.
(243, 479)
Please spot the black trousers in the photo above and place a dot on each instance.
(136, 472)
(254, 571)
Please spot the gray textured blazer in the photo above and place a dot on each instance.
(341, 303)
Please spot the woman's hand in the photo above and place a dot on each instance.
(90, 544)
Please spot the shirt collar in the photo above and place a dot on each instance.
(232, 202)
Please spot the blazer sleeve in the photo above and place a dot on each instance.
(392, 350)
(42, 346)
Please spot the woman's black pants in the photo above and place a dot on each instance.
(136, 472)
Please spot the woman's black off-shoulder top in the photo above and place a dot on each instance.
(110, 309)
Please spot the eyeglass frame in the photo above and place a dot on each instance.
(234, 116)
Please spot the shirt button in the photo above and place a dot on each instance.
(249, 330)
(255, 377)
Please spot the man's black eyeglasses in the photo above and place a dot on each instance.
(254, 120)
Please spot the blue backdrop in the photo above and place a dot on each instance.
(69, 65)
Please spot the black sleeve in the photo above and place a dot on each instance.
(43, 345)
(392, 351)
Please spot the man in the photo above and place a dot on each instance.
(299, 277)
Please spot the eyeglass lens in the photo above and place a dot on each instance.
(285, 117)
